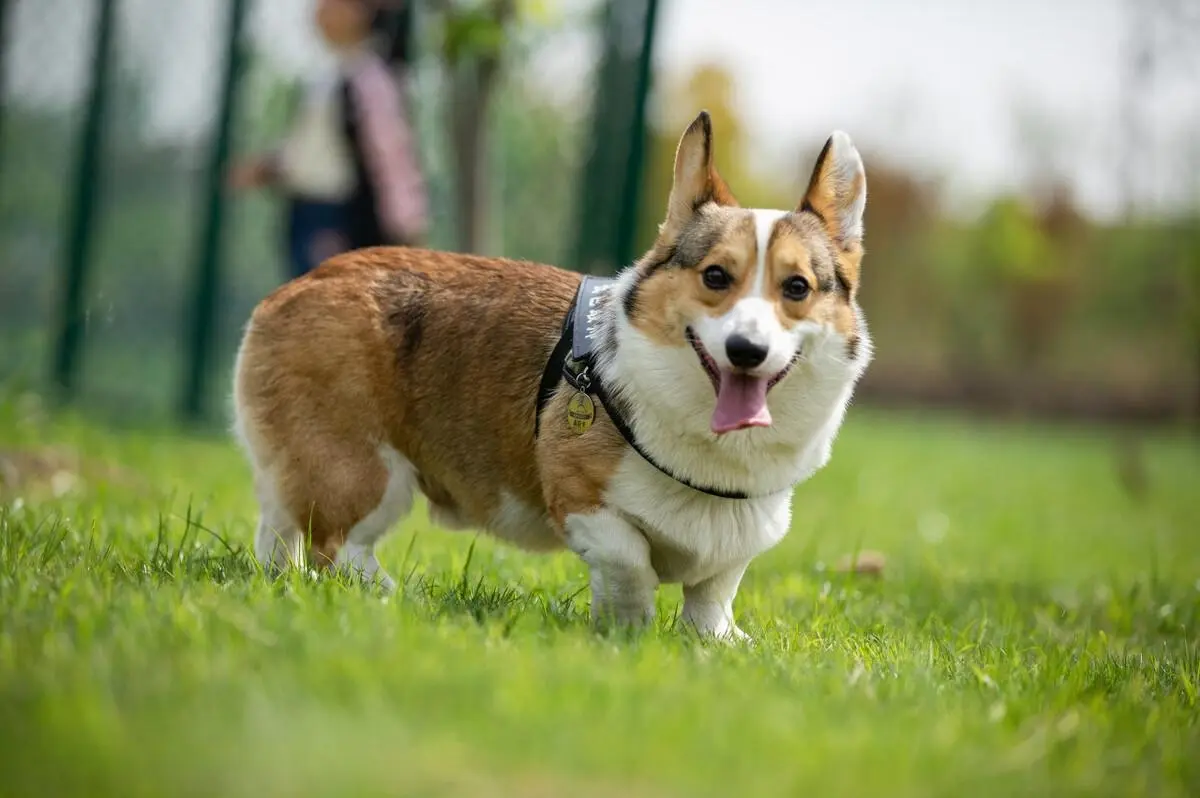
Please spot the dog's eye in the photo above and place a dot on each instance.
(716, 278)
(795, 288)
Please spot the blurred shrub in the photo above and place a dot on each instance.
(1030, 303)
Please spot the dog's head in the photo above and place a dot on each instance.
(748, 293)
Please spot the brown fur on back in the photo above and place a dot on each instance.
(439, 355)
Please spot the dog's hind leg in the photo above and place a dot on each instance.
(278, 542)
(348, 496)
(357, 554)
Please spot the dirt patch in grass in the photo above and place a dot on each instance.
(56, 471)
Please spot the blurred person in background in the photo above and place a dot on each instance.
(348, 166)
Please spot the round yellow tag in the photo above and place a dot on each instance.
(581, 412)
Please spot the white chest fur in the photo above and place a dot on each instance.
(679, 534)
(692, 535)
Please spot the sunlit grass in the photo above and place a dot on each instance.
(1034, 632)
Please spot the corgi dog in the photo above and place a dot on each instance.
(655, 423)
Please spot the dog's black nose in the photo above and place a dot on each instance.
(744, 353)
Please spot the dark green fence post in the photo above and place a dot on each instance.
(593, 226)
(612, 176)
(206, 286)
(4, 10)
(78, 233)
(626, 238)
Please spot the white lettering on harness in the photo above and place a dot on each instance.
(593, 314)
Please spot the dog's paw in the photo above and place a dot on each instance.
(736, 635)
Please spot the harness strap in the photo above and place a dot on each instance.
(574, 347)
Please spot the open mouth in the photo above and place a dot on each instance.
(706, 360)
(741, 397)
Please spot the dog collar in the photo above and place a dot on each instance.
(573, 360)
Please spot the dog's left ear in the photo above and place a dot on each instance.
(837, 191)
(696, 180)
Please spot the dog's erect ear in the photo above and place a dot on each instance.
(696, 178)
(837, 191)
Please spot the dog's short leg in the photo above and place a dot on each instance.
(360, 560)
(618, 557)
(708, 605)
(357, 554)
(278, 543)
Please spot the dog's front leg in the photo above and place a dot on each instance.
(708, 605)
(618, 557)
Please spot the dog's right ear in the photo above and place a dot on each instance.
(696, 178)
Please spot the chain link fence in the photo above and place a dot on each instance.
(163, 86)
(44, 71)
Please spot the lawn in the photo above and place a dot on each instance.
(1034, 632)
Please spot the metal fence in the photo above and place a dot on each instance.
(139, 223)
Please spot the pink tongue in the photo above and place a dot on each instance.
(741, 403)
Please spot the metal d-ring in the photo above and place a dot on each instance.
(583, 381)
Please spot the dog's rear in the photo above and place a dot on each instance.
(339, 369)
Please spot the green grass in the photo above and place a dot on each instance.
(1034, 633)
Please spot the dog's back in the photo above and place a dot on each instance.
(390, 370)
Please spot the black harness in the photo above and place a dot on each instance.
(573, 360)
